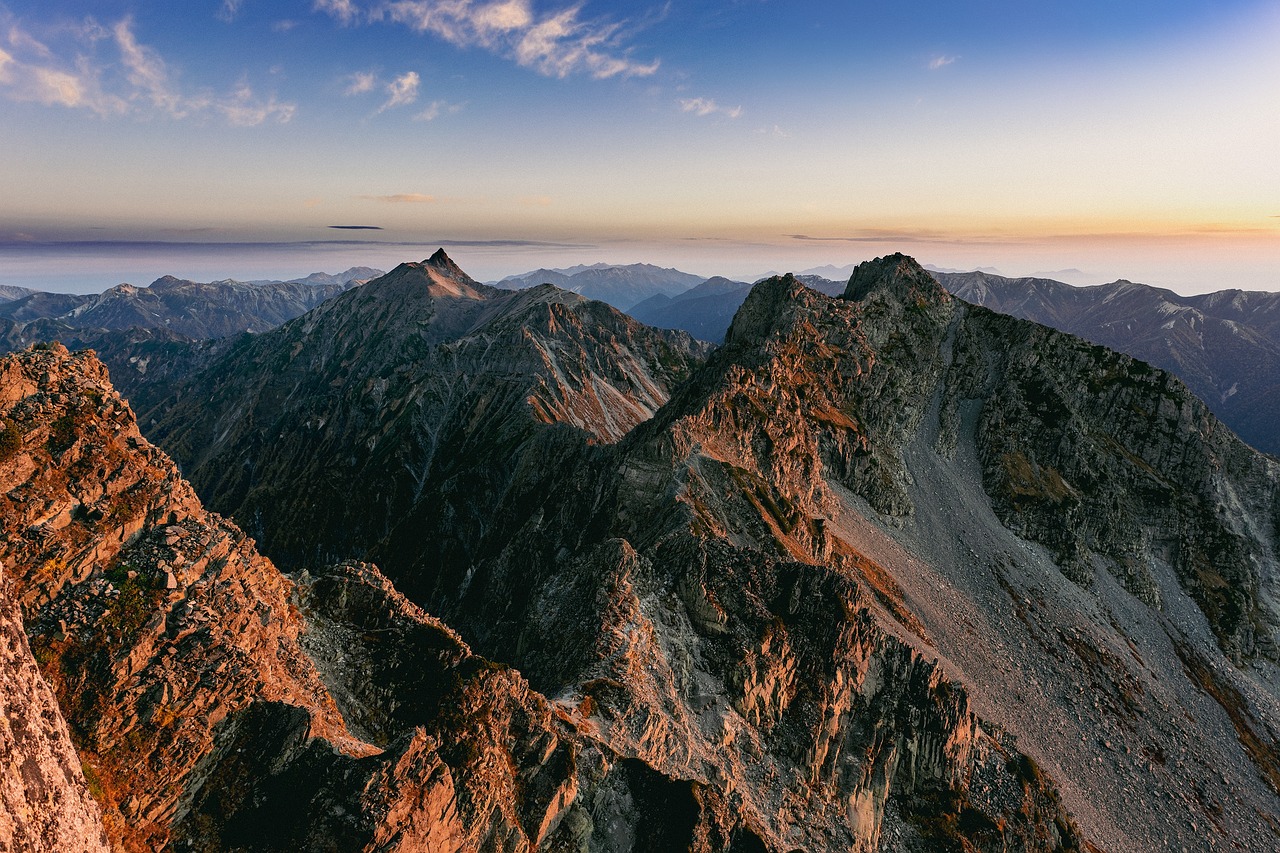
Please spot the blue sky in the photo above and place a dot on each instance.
(225, 138)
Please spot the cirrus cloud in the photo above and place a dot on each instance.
(135, 81)
(556, 44)
(707, 107)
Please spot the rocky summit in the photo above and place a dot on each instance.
(884, 572)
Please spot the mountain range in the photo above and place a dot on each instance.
(1224, 345)
(192, 309)
(884, 571)
(620, 286)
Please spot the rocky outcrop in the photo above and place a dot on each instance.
(45, 804)
(153, 619)
(1125, 469)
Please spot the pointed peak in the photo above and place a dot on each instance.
(899, 277)
(442, 261)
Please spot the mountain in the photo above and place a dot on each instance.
(706, 311)
(1224, 345)
(870, 553)
(155, 336)
(886, 571)
(195, 310)
(8, 292)
(412, 401)
(204, 701)
(352, 276)
(151, 619)
(620, 286)
(703, 311)
(828, 271)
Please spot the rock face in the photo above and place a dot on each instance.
(408, 407)
(45, 804)
(153, 619)
(1225, 346)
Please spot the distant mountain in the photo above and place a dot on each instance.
(706, 311)
(354, 275)
(828, 271)
(193, 309)
(621, 286)
(8, 292)
(987, 270)
(827, 286)
(1224, 345)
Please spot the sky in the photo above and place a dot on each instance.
(251, 139)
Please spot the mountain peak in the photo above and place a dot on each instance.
(763, 307)
(898, 276)
(442, 261)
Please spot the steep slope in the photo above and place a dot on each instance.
(45, 804)
(152, 619)
(184, 665)
(8, 292)
(1224, 345)
(413, 403)
(886, 572)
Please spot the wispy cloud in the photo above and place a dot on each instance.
(403, 198)
(229, 10)
(776, 132)
(344, 10)
(361, 83)
(557, 43)
(707, 107)
(245, 109)
(356, 227)
(435, 109)
(401, 91)
(941, 61)
(136, 81)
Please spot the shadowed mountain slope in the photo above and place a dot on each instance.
(422, 394)
(1225, 346)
